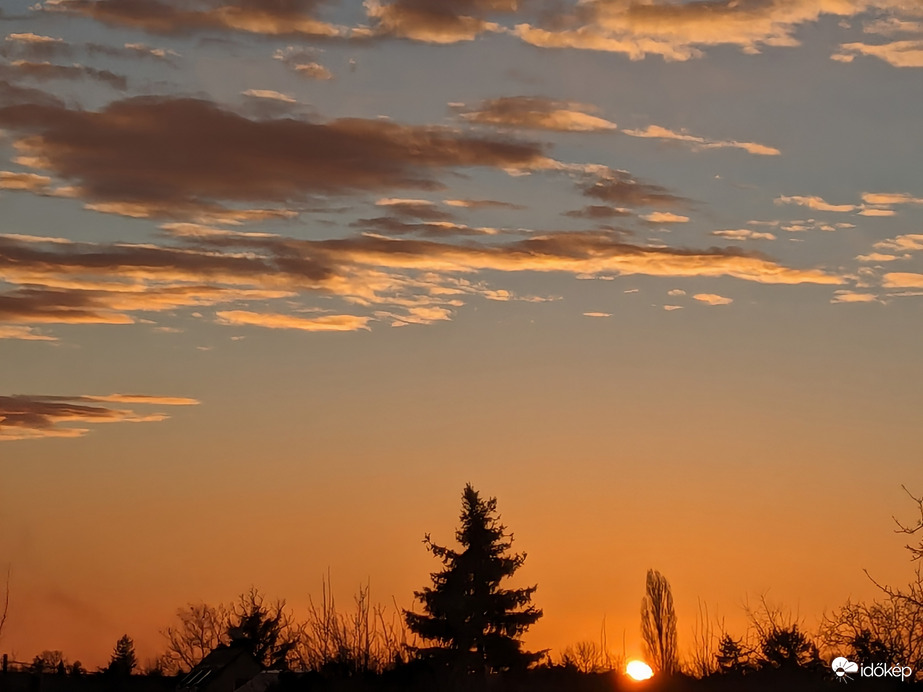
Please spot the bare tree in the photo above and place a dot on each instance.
(6, 600)
(366, 639)
(913, 593)
(889, 631)
(703, 660)
(201, 628)
(658, 624)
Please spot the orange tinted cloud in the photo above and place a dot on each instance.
(897, 53)
(678, 31)
(712, 299)
(446, 21)
(743, 234)
(538, 113)
(696, 142)
(324, 323)
(31, 417)
(271, 17)
(814, 202)
(67, 282)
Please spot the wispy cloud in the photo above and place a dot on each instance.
(24, 417)
(537, 113)
(324, 323)
(696, 142)
(814, 202)
(907, 53)
(743, 234)
(282, 18)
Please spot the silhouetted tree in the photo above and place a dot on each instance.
(658, 624)
(123, 660)
(48, 662)
(264, 628)
(788, 648)
(913, 594)
(889, 631)
(201, 628)
(732, 658)
(475, 624)
(5, 608)
(76, 669)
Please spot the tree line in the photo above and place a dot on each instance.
(468, 625)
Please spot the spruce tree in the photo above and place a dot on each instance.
(473, 624)
(123, 660)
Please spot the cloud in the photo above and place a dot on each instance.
(446, 21)
(31, 182)
(268, 17)
(909, 242)
(195, 155)
(620, 188)
(698, 143)
(902, 280)
(313, 70)
(325, 323)
(538, 113)
(712, 299)
(597, 314)
(743, 234)
(897, 53)
(414, 208)
(670, 308)
(34, 46)
(874, 211)
(664, 217)
(23, 333)
(302, 62)
(816, 203)
(597, 211)
(38, 47)
(676, 292)
(678, 31)
(854, 297)
(888, 198)
(879, 257)
(269, 94)
(45, 71)
(481, 204)
(64, 282)
(25, 417)
(390, 225)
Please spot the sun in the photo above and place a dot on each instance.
(638, 670)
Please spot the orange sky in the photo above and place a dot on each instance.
(276, 282)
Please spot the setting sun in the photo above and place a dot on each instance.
(638, 670)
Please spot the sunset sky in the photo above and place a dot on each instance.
(649, 272)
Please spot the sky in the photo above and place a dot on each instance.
(648, 272)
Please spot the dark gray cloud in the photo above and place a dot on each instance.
(154, 156)
(45, 71)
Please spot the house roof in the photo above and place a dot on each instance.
(217, 660)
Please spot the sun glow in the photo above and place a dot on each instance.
(638, 670)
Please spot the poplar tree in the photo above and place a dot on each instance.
(472, 624)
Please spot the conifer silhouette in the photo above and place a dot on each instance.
(475, 625)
